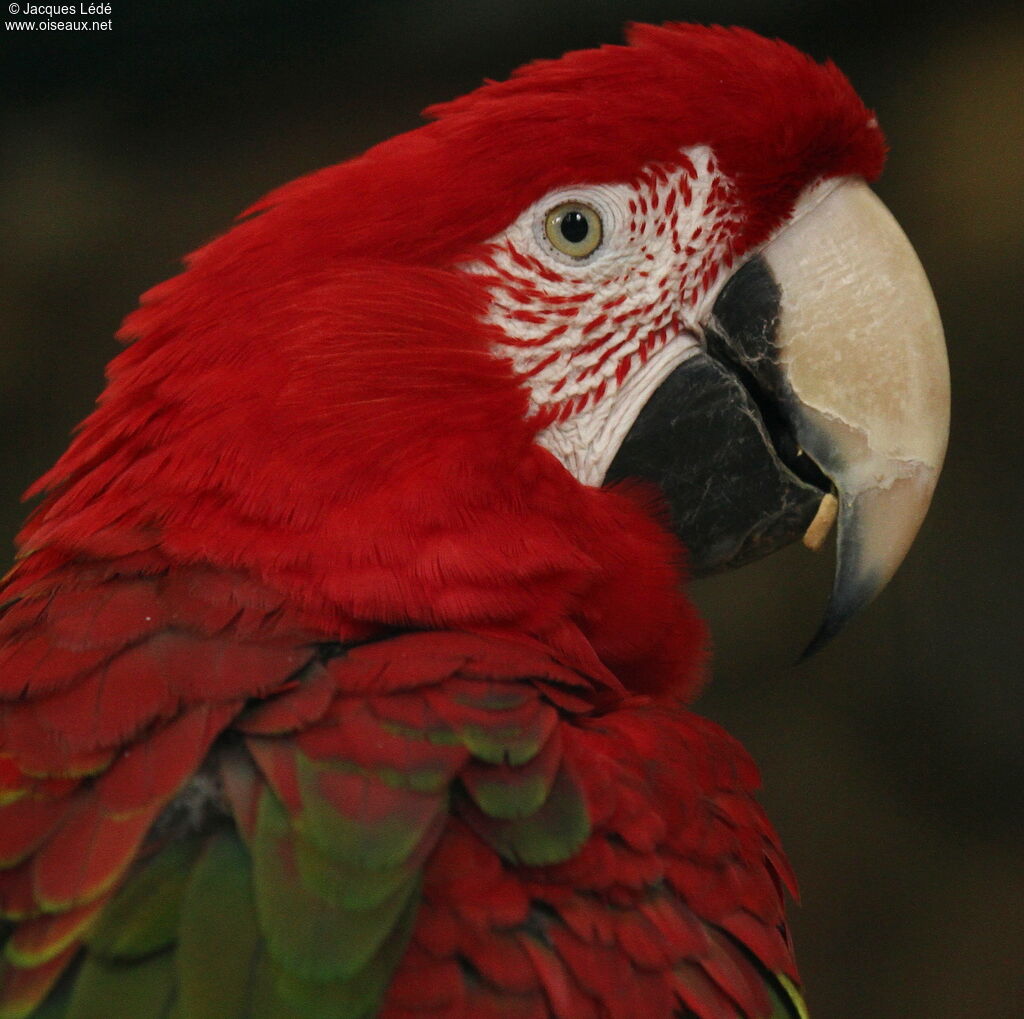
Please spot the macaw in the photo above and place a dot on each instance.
(346, 663)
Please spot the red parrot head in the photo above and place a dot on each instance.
(656, 261)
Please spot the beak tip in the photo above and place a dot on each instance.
(852, 591)
(828, 628)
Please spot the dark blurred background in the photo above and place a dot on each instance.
(893, 761)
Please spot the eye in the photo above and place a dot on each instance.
(573, 228)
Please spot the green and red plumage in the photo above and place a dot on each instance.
(325, 688)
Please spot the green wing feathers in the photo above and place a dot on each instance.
(301, 899)
(435, 821)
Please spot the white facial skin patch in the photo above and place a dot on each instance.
(593, 337)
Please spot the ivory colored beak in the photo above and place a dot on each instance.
(860, 346)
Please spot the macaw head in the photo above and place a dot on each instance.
(658, 261)
(710, 297)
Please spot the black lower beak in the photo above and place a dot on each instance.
(715, 440)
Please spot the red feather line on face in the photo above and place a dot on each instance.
(566, 337)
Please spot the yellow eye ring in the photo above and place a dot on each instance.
(573, 229)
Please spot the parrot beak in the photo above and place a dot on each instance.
(822, 388)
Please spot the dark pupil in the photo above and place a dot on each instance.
(574, 227)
